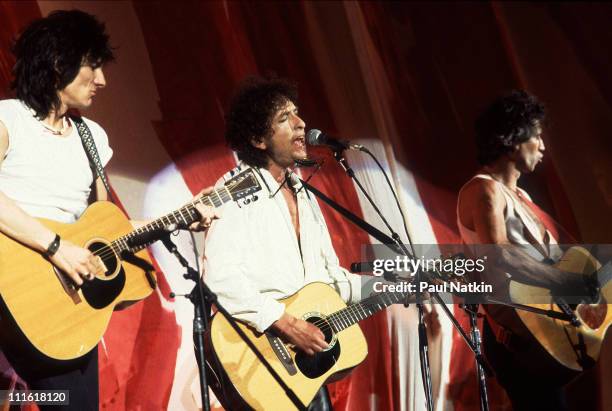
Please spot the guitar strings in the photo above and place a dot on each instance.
(108, 250)
(326, 323)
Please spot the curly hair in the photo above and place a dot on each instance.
(508, 121)
(251, 112)
(50, 52)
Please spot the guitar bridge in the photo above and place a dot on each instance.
(68, 286)
(282, 353)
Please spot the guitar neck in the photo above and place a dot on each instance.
(365, 308)
(182, 217)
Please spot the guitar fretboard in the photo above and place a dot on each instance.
(182, 217)
(356, 312)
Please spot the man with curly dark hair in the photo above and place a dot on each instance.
(492, 209)
(268, 249)
(251, 114)
(45, 171)
(59, 61)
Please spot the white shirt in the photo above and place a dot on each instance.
(252, 256)
(48, 176)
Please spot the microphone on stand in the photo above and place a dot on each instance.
(362, 267)
(316, 137)
(147, 237)
(368, 267)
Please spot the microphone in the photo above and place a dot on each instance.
(317, 138)
(368, 267)
(147, 237)
(306, 162)
(362, 267)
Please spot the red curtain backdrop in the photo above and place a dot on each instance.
(221, 44)
(14, 15)
(444, 62)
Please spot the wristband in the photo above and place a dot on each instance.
(53, 247)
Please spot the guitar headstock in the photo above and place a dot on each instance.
(243, 185)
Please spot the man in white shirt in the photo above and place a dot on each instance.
(270, 248)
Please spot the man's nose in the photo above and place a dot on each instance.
(299, 123)
(99, 79)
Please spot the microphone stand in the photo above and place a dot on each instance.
(475, 341)
(200, 316)
(472, 310)
(422, 329)
(202, 298)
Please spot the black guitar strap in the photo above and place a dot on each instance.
(89, 145)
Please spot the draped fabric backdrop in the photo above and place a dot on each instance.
(405, 79)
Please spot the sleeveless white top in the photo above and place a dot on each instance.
(47, 175)
(521, 227)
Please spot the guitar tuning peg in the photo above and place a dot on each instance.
(246, 201)
(255, 198)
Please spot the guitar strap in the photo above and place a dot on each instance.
(89, 145)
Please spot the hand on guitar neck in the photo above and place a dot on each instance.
(304, 335)
(207, 213)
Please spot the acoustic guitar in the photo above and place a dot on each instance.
(44, 315)
(570, 343)
(241, 382)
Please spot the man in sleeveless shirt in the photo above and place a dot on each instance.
(44, 170)
(492, 209)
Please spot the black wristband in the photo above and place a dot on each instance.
(52, 249)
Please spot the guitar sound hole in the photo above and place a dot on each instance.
(323, 325)
(107, 255)
(313, 366)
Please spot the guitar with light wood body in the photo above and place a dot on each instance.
(43, 314)
(561, 339)
(240, 380)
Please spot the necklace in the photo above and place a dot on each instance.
(53, 130)
(57, 131)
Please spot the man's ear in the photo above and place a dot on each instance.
(259, 142)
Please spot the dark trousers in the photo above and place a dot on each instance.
(81, 382)
(523, 376)
(321, 401)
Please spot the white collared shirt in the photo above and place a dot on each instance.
(252, 256)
